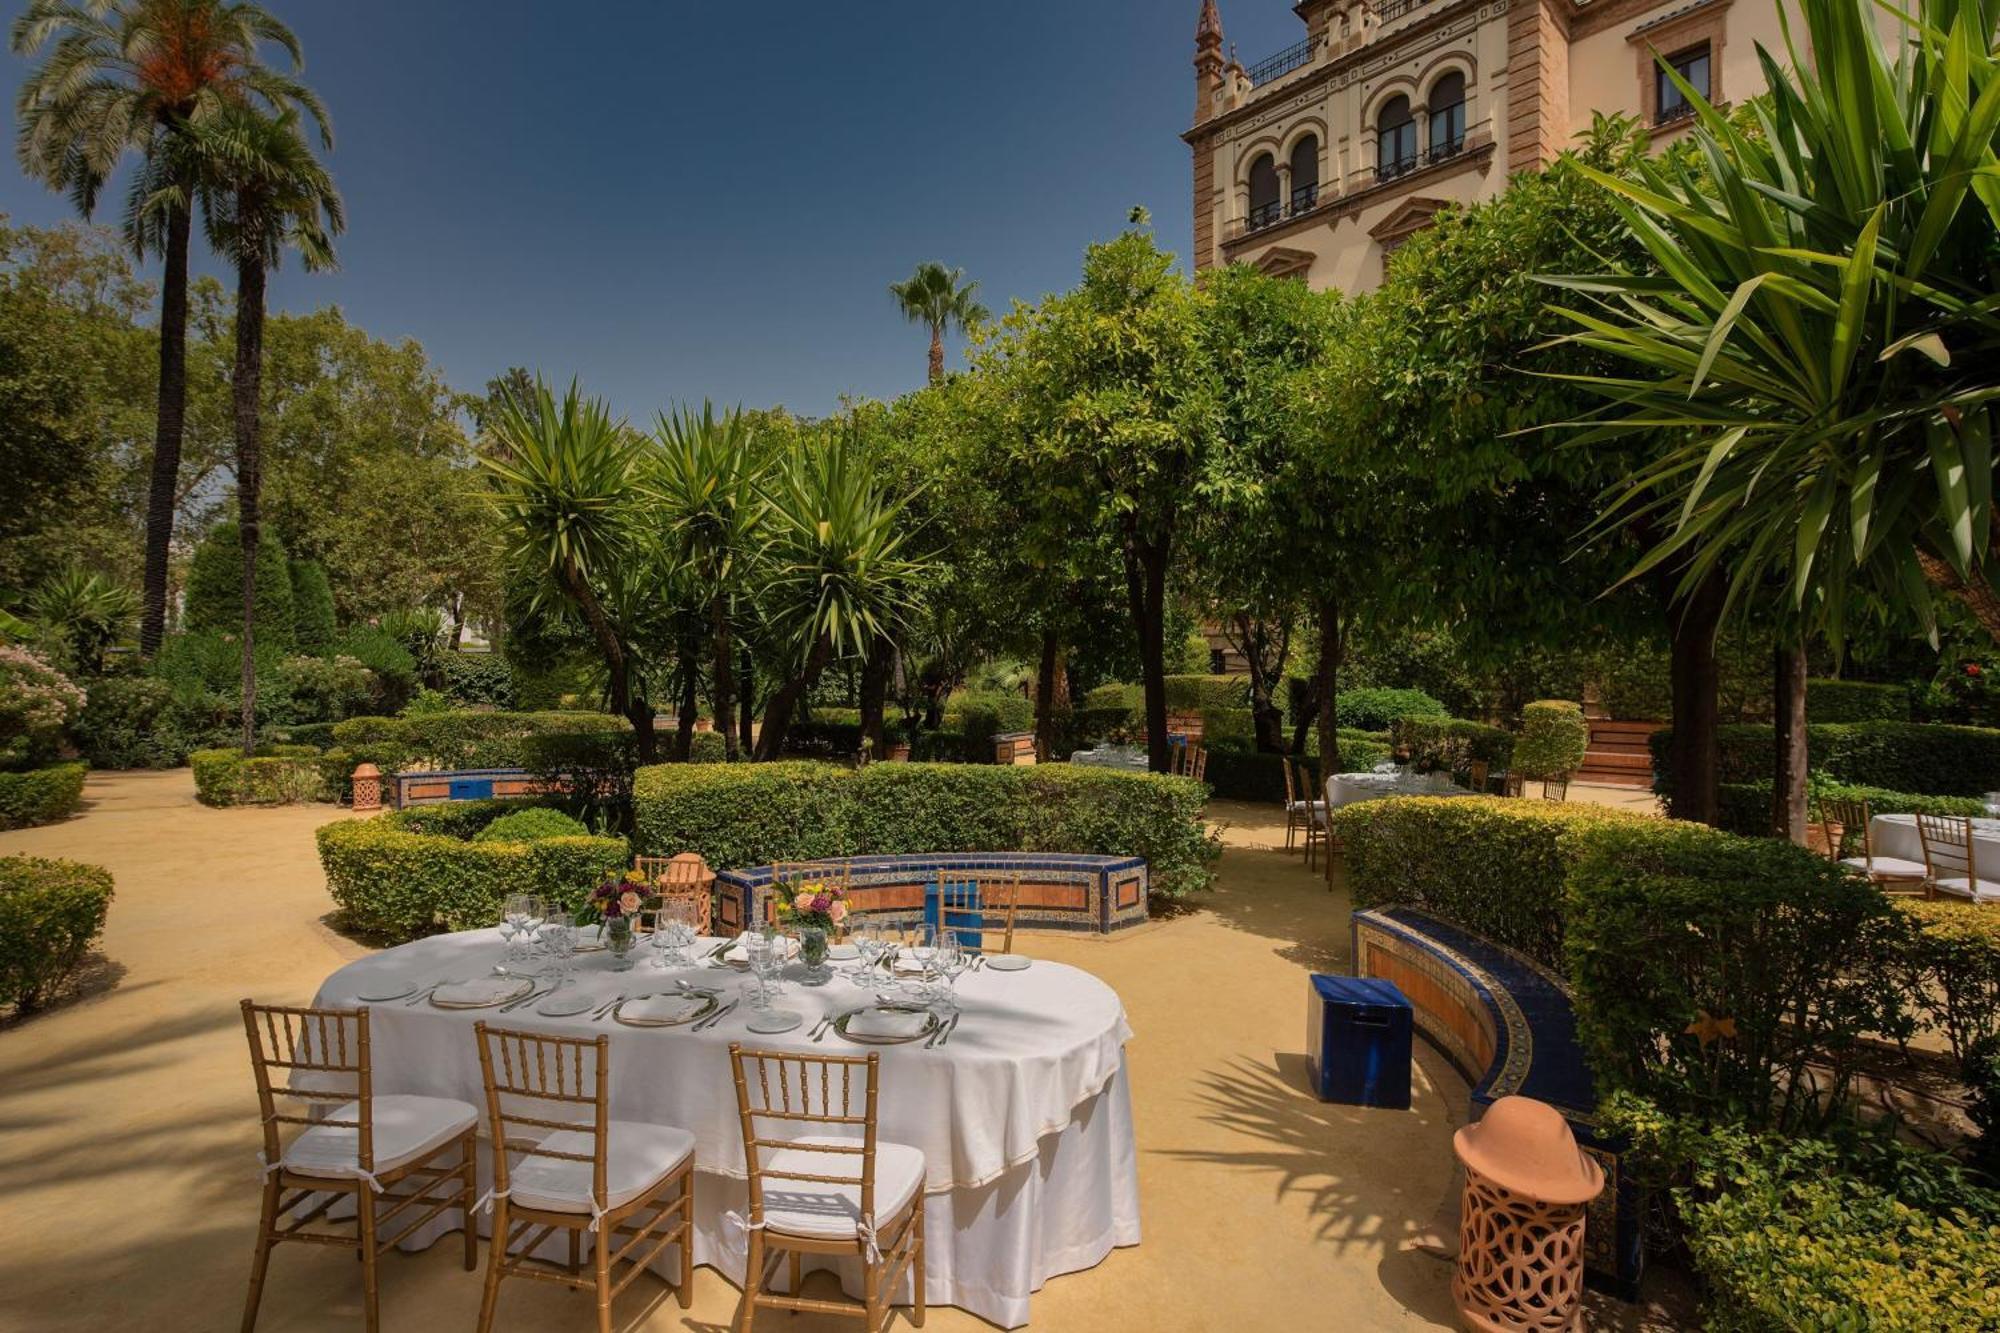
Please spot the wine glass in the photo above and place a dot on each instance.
(559, 939)
(663, 937)
(948, 959)
(684, 914)
(867, 951)
(513, 921)
(758, 950)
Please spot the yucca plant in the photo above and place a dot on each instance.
(1823, 332)
(84, 613)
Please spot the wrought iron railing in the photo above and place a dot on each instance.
(1403, 166)
(1281, 64)
(1305, 198)
(1391, 10)
(1263, 215)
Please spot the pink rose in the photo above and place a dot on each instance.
(628, 902)
(838, 912)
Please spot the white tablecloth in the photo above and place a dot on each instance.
(1350, 788)
(1896, 835)
(1113, 756)
(1024, 1117)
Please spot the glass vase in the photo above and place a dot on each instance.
(812, 953)
(618, 943)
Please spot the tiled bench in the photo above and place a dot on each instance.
(1059, 891)
(1506, 1024)
(474, 784)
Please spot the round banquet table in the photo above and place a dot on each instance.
(1024, 1116)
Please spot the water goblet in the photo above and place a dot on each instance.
(559, 940)
(662, 940)
(514, 916)
(757, 952)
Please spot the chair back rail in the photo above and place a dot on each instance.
(793, 1091)
(1840, 816)
(1948, 847)
(331, 1044)
(965, 902)
(536, 1081)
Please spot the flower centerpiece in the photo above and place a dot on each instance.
(612, 905)
(816, 910)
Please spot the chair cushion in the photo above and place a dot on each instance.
(406, 1129)
(1980, 891)
(636, 1158)
(1893, 866)
(828, 1211)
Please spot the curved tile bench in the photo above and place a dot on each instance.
(1506, 1024)
(1059, 891)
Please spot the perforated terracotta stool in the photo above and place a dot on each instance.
(367, 787)
(1520, 1224)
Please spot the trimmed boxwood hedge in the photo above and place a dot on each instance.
(406, 874)
(537, 821)
(1376, 708)
(40, 795)
(458, 740)
(1553, 741)
(1237, 773)
(1920, 757)
(275, 775)
(1745, 807)
(751, 814)
(1452, 744)
(50, 914)
(1856, 701)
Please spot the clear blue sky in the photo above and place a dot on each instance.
(675, 200)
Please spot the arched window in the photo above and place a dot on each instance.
(1447, 115)
(1265, 207)
(1305, 174)
(1395, 139)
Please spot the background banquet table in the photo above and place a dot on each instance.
(1896, 835)
(1024, 1116)
(1351, 788)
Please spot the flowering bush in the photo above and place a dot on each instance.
(814, 904)
(37, 702)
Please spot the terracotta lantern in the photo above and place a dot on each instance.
(1520, 1226)
(367, 787)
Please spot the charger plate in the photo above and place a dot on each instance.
(844, 1025)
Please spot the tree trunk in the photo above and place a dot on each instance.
(746, 679)
(246, 388)
(875, 694)
(1051, 697)
(1146, 591)
(937, 353)
(690, 712)
(1267, 718)
(1695, 755)
(1788, 788)
(725, 683)
(163, 493)
(784, 700)
(617, 666)
(1332, 648)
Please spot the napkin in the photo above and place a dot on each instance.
(887, 1023)
(478, 994)
(661, 1008)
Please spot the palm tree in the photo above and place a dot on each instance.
(941, 298)
(135, 76)
(262, 192)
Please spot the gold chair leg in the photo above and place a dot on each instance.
(917, 1262)
(364, 1213)
(601, 1260)
(496, 1255)
(792, 1272)
(267, 1226)
(874, 1307)
(684, 1289)
(468, 1153)
(753, 1283)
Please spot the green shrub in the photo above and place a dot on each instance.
(1452, 745)
(215, 587)
(125, 725)
(427, 703)
(384, 654)
(313, 624)
(1223, 728)
(1856, 701)
(825, 737)
(50, 914)
(1377, 708)
(752, 814)
(37, 704)
(304, 690)
(1671, 924)
(40, 795)
(1805, 1233)
(1554, 738)
(482, 679)
(460, 740)
(1633, 683)
(404, 875)
(591, 769)
(1494, 866)
(1198, 694)
(1745, 807)
(276, 775)
(707, 747)
(1238, 774)
(1094, 723)
(1919, 757)
(530, 824)
(1113, 695)
(1952, 953)
(981, 716)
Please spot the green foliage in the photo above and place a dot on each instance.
(215, 588)
(37, 703)
(1376, 708)
(460, 740)
(744, 815)
(979, 717)
(1923, 758)
(276, 775)
(477, 679)
(1554, 738)
(591, 768)
(384, 654)
(51, 912)
(1952, 956)
(1199, 693)
(127, 723)
(83, 614)
(1856, 701)
(40, 795)
(427, 703)
(1635, 685)
(1492, 865)
(1745, 807)
(1668, 922)
(1811, 1233)
(1450, 745)
(313, 625)
(405, 875)
(530, 824)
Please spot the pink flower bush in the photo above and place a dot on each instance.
(37, 703)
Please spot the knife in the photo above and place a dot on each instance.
(717, 1016)
(949, 1028)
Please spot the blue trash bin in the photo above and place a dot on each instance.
(1358, 1040)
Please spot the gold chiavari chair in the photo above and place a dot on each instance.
(362, 1146)
(968, 903)
(1294, 807)
(1555, 789)
(1476, 773)
(1952, 860)
(1842, 819)
(1510, 784)
(1312, 809)
(548, 1099)
(1197, 763)
(823, 1182)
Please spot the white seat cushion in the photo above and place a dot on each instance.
(636, 1158)
(406, 1128)
(1980, 891)
(828, 1211)
(1893, 866)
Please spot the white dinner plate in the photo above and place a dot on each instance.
(385, 991)
(842, 953)
(1007, 962)
(484, 993)
(774, 1020)
(562, 1006)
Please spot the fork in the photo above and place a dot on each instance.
(944, 1034)
(607, 1007)
(715, 1017)
(529, 998)
(425, 993)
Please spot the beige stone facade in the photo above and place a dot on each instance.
(1322, 160)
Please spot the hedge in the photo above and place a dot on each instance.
(459, 740)
(406, 874)
(276, 775)
(1197, 694)
(537, 821)
(1745, 807)
(1452, 745)
(1924, 758)
(752, 814)
(1377, 708)
(1238, 773)
(1494, 866)
(1553, 741)
(1856, 701)
(1953, 958)
(50, 914)
(40, 795)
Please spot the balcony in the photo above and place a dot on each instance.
(1305, 198)
(1436, 153)
(1281, 64)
